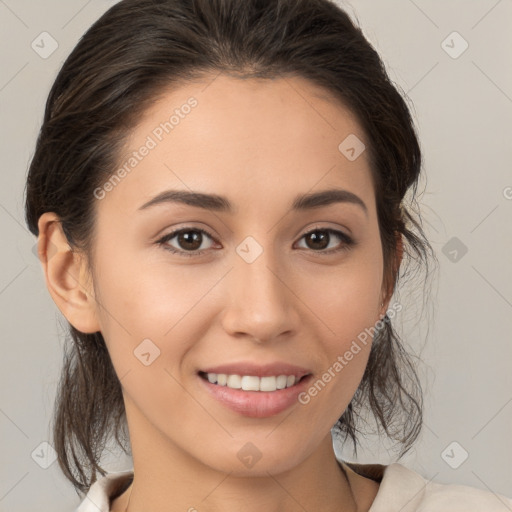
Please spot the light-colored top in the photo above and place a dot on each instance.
(401, 489)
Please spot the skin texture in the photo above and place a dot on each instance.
(259, 143)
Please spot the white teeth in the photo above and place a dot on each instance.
(268, 384)
(281, 382)
(234, 381)
(252, 383)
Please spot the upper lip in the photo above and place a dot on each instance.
(258, 370)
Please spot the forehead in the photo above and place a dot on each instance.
(244, 138)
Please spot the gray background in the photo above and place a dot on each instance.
(463, 109)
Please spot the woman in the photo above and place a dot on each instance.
(218, 191)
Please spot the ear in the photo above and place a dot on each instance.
(389, 285)
(67, 277)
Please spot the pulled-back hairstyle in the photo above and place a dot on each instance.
(127, 59)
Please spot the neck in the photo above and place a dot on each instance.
(319, 483)
(167, 479)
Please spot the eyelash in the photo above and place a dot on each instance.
(348, 242)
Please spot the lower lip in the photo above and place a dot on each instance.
(256, 404)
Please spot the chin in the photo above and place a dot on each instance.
(259, 458)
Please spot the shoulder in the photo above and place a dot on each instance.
(406, 490)
(103, 490)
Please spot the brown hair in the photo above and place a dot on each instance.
(131, 55)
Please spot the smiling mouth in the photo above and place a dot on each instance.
(253, 383)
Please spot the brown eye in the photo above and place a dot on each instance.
(188, 240)
(319, 239)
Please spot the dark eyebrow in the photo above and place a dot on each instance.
(221, 204)
(326, 198)
(198, 199)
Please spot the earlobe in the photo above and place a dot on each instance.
(67, 277)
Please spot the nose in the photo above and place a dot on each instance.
(261, 305)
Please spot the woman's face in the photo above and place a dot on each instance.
(253, 295)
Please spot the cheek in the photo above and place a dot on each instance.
(346, 299)
(168, 305)
(345, 306)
